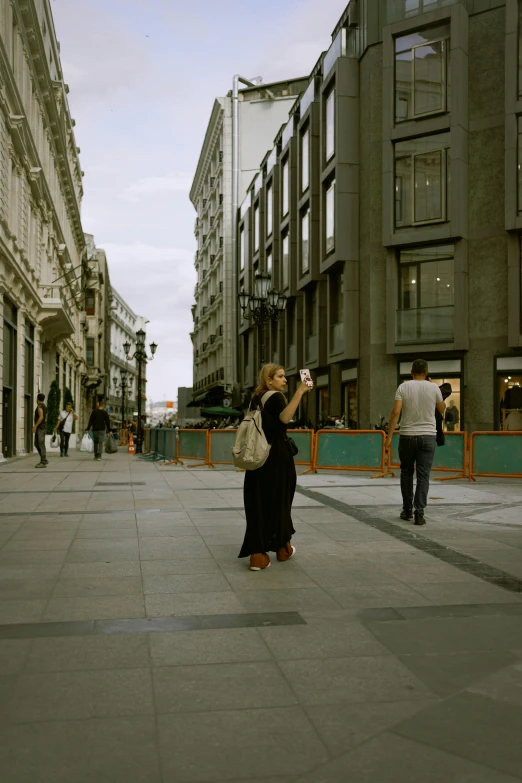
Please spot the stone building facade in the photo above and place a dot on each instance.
(261, 111)
(41, 237)
(390, 214)
(124, 323)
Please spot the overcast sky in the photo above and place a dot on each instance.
(143, 75)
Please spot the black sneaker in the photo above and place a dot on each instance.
(419, 518)
(406, 515)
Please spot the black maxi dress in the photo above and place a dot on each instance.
(269, 490)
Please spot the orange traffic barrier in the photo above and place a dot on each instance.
(495, 454)
(132, 447)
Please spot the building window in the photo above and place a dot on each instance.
(286, 187)
(422, 73)
(242, 249)
(311, 311)
(330, 217)
(519, 163)
(305, 160)
(269, 210)
(330, 125)
(305, 242)
(256, 228)
(90, 303)
(286, 260)
(520, 49)
(90, 352)
(269, 265)
(421, 180)
(426, 295)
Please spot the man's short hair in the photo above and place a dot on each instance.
(419, 367)
(101, 403)
(40, 397)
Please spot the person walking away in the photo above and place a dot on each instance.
(269, 490)
(40, 429)
(100, 424)
(417, 400)
(64, 427)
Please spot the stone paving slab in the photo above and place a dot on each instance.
(136, 646)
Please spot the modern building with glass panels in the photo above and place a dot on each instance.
(389, 212)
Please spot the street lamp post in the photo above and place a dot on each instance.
(124, 385)
(264, 305)
(140, 354)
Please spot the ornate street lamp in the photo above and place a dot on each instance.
(124, 385)
(140, 354)
(265, 304)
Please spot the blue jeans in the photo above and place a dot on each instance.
(416, 451)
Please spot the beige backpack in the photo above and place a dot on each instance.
(251, 448)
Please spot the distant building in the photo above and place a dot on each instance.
(124, 323)
(187, 415)
(262, 109)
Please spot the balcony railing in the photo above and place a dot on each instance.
(426, 324)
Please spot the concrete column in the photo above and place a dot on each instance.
(335, 392)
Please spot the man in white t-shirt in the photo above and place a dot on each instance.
(416, 400)
(64, 426)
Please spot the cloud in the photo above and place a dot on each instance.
(148, 186)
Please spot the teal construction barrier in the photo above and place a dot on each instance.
(451, 457)
(497, 454)
(193, 444)
(349, 450)
(220, 446)
(304, 440)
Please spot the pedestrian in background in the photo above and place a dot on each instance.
(40, 429)
(100, 424)
(64, 427)
(417, 400)
(269, 490)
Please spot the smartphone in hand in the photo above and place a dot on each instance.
(306, 378)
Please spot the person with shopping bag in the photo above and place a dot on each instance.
(64, 427)
(100, 424)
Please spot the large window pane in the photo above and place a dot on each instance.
(256, 228)
(305, 160)
(428, 73)
(428, 186)
(330, 218)
(330, 125)
(422, 73)
(426, 294)
(305, 242)
(269, 210)
(520, 48)
(285, 261)
(519, 164)
(421, 180)
(242, 248)
(285, 187)
(269, 266)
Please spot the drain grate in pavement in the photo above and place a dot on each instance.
(470, 565)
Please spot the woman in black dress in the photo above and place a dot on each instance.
(269, 490)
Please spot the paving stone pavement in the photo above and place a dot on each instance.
(135, 646)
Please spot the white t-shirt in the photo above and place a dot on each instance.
(418, 407)
(67, 427)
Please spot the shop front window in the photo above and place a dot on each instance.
(510, 398)
(350, 405)
(453, 414)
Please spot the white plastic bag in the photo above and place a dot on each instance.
(87, 444)
(55, 441)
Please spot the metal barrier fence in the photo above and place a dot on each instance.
(450, 458)
(193, 444)
(222, 441)
(361, 450)
(496, 454)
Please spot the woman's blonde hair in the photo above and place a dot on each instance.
(266, 374)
